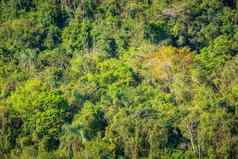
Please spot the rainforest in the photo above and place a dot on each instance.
(118, 79)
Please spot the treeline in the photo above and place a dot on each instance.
(118, 79)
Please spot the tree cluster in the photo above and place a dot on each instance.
(118, 79)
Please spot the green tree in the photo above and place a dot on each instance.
(42, 112)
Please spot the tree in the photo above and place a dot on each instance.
(216, 54)
(77, 36)
(42, 112)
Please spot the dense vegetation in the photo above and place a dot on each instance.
(118, 79)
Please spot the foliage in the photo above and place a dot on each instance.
(41, 112)
(104, 79)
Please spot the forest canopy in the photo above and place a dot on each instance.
(118, 79)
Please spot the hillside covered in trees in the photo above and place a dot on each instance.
(118, 79)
